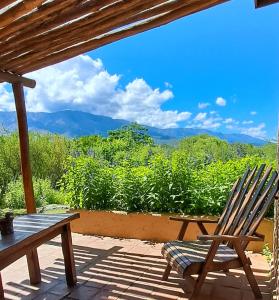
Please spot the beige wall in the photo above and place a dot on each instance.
(153, 227)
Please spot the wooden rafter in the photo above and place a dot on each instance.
(38, 33)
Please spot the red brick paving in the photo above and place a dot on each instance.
(122, 269)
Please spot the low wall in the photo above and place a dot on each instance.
(155, 227)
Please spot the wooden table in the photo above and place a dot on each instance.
(31, 231)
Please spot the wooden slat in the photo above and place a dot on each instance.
(238, 204)
(102, 21)
(247, 199)
(41, 15)
(72, 27)
(18, 10)
(264, 209)
(261, 205)
(253, 201)
(90, 45)
(4, 3)
(48, 23)
(229, 202)
(234, 202)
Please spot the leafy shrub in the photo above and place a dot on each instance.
(165, 184)
(44, 194)
(128, 171)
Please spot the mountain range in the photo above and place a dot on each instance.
(77, 123)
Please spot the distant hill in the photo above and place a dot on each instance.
(77, 123)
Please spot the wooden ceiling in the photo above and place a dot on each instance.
(38, 33)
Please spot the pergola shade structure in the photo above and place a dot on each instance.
(38, 33)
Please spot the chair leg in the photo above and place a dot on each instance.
(208, 262)
(167, 272)
(198, 284)
(252, 281)
(248, 271)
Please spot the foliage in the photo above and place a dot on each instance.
(267, 253)
(48, 154)
(43, 192)
(127, 171)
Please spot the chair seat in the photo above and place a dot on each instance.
(183, 254)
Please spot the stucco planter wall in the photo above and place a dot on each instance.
(145, 226)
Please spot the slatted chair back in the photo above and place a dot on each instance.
(248, 202)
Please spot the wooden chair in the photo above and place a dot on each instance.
(249, 200)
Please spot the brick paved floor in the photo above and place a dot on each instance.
(123, 269)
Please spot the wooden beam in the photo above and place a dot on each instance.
(262, 3)
(13, 78)
(24, 147)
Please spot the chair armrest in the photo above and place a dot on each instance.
(186, 221)
(230, 238)
(193, 220)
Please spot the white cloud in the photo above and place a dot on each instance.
(257, 131)
(200, 116)
(253, 113)
(213, 112)
(7, 99)
(203, 105)
(221, 101)
(84, 84)
(168, 85)
(205, 122)
(228, 121)
(247, 122)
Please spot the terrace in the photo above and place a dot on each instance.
(37, 34)
(110, 268)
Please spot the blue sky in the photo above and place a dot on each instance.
(228, 51)
(217, 69)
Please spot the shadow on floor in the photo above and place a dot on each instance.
(118, 273)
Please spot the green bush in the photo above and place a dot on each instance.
(127, 171)
(166, 184)
(44, 194)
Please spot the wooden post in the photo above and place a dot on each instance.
(24, 147)
(32, 257)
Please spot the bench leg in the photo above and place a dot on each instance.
(1, 289)
(68, 254)
(33, 267)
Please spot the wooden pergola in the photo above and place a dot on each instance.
(38, 33)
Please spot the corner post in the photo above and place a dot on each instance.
(32, 256)
(24, 147)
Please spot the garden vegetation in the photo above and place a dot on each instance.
(127, 171)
